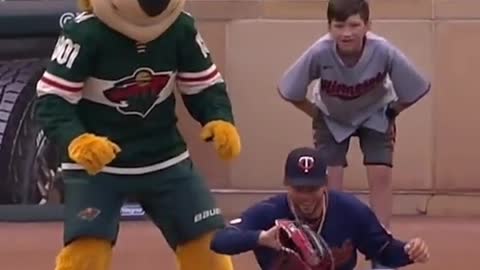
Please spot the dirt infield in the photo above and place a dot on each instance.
(26, 246)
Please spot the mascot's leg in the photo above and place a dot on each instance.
(182, 206)
(92, 214)
(85, 254)
(196, 255)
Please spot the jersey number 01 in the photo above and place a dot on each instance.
(65, 52)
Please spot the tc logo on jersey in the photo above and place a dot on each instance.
(138, 94)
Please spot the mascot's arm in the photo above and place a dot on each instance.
(204, 91)
(199, 81)
(60, 89)
(376, 243)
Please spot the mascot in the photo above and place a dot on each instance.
(107, 100)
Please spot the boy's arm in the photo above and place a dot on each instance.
(242, 234)
(199, 81)
(294, 84)
(410, 86)
(376, 243)
(60, 88)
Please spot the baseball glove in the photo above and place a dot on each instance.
(302, 248)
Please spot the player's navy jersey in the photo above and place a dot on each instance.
(349, 226)
(358, 95)
(101, 82)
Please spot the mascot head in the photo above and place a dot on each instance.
(140, 20)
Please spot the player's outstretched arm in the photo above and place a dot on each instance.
(376, 243)
(243, 234)
(233, 240)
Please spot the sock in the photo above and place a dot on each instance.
(197, 255)
(85, 254)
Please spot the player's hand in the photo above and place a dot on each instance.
(417, 250)
(270, 238)
(225, 138)
(92, 152)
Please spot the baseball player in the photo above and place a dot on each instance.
(364, 83)
(344, 222)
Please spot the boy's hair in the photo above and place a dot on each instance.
(341, 10)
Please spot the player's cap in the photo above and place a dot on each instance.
(305, 167)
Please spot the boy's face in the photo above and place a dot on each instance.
(349, 34)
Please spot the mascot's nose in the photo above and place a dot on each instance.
(153, 7)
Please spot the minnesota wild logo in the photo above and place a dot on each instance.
(138, 94)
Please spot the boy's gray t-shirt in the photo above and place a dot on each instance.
(350, 97)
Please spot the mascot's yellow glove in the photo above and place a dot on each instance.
(92, 152)
(225, 138)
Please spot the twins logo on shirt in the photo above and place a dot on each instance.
(348, 92)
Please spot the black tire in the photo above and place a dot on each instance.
(26, 156)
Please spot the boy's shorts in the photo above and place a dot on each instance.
(377, 147)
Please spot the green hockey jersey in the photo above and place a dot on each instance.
(101, 82)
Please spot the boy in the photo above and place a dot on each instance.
(365, 82)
